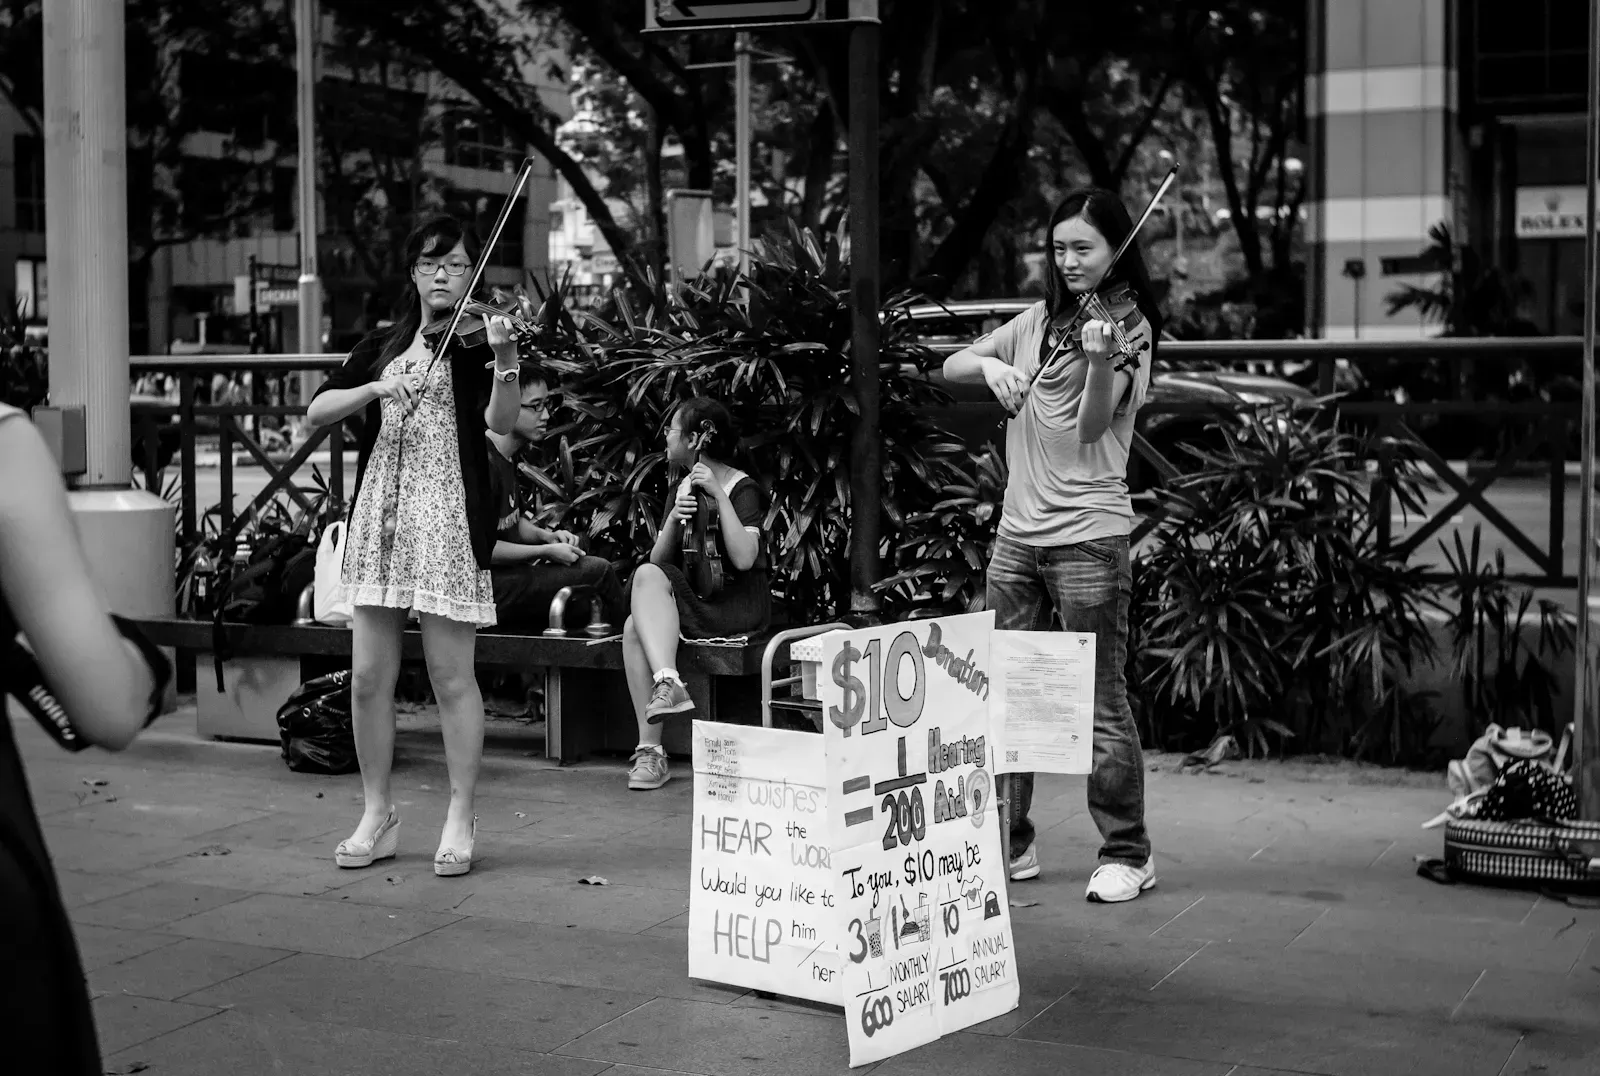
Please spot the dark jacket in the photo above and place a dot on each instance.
(472, 387)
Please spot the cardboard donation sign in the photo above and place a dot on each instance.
(922, 921)
(761, 890)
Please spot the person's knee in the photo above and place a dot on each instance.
(371, 681)
(453, 684)
(592, 571)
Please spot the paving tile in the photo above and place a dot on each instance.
(1051, 966)
(250, 1045)
(1524, 1001)
(676, 928)
(285, 829)
(99, 946)
(80, 887)
(1222, 916)
(286, 871)
(187, 965)
(1442, 939)
(1291, 1035)
(459, 1006)
(612, 961)
(122, 1020)
(155, 906)
(392, 885)
(1364, 982)
(964, 1054)
(719, 1040)
(1546, 1053)
(99, 852)
(567, 903)
(145, 817)
(307, 925)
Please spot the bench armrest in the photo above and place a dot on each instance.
(598, 628)
(783, 639)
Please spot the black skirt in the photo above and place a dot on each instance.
(743, 608)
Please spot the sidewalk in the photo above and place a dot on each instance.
(1289, 932)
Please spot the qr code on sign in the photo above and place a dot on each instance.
(1011, 756)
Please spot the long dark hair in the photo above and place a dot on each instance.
(1104, 212)
(437, 236)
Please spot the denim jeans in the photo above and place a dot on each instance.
(1086, 587)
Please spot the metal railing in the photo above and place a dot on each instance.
(1535, 425)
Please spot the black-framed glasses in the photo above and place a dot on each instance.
(426, 267)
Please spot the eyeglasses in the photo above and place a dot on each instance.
(454, 268)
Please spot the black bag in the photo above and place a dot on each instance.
(314, 726)
(265, 591)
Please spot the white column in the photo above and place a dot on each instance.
(86, 225)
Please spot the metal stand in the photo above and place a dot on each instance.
(1002, 799)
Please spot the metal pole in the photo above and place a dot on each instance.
(742, 138)
(307, 30)
(865, 474)
(1586, 720)
(86, 228)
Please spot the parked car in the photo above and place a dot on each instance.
(1203, 394)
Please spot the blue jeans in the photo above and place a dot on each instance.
(1087, 587)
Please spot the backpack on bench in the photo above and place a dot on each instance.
(265, 591)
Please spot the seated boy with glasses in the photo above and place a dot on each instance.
(531, 564)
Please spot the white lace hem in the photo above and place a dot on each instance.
(480, 614)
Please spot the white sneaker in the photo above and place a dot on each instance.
(1113, 883)
(1026, 865)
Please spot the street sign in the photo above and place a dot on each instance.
(743, 14)
(667, 14)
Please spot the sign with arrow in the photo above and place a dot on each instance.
(705, 14)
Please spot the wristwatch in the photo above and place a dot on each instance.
(507, 376)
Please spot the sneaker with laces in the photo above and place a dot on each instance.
(650, 770)
(1113, 883)
(668, 697)
(1026, 865)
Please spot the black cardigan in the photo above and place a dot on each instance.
(472, 384)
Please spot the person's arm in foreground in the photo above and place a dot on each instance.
(100, 679)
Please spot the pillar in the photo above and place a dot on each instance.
(1380, 104)
(126, 533)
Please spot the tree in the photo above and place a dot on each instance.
(1243, 65)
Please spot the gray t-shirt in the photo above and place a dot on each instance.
(1062, 491)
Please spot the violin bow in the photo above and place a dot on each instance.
(1122, 248)
(477, 272)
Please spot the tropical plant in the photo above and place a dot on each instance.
(775, 347)
(1264, 603)
(1469, 297)
(1505, 679)
(942, 557)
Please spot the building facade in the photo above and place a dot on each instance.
(1465, 113)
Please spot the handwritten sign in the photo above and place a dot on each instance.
(1042, 709)
(761, 898)
(924, 928)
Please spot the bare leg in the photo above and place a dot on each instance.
(640, 680)
(375, 667)
(448, 646)
(655, 616)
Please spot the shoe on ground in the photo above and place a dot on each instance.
(1113, 883)
(383, 844)
(650, 770)
(1026, 865)
(668, 697)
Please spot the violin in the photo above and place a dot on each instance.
(472, 328)
(1118, 309)
(702, 553)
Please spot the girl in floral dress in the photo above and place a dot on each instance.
(421, 529)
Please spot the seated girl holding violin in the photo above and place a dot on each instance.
(715, 517)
